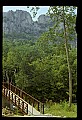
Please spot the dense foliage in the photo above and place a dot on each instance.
(61, 109)
(39, 69)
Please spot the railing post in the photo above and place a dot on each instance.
(19, 93)
(32, 108)
(25, 97)
(19, 102)
(10, 86)
(29, 101)
(43, 108)
(4, 90)
(12, 96)
(9, 94)
(15, 90)
(27, 108)
(15, 99)
(3, 82)
(38, 106)
(22, 106)
(33, 103)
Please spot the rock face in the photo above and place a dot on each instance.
(43, 19)
(20, 22)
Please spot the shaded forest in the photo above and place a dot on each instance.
(39, 69)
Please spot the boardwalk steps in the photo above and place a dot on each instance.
(20, 102)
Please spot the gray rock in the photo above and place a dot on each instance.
(20, 21)
(44, 19)
(19, 25)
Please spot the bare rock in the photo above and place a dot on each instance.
(20, 22)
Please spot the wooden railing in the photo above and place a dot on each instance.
(19, 102)
(28, 98)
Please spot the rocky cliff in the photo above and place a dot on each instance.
(19, 24)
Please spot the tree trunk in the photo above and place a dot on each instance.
(68, 62)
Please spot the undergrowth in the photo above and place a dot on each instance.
(61, 109)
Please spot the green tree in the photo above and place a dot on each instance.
(65, 15)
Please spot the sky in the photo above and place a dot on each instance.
(42, 10)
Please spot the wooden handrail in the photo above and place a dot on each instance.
(26, 93)
(23, 94)
(19, 105)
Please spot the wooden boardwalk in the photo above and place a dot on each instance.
(26, 103)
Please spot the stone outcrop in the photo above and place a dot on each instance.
(20, 22)
(44, 19)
